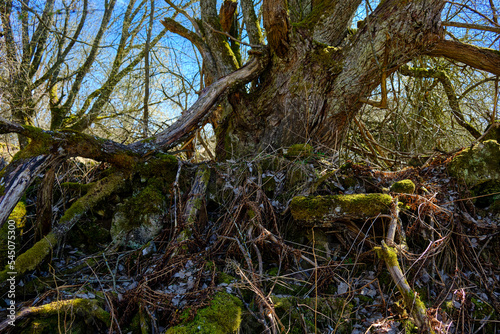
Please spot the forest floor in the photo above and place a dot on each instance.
(293, 267)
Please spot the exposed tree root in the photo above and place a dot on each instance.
(35, 255)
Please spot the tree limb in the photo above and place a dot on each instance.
(78, 144)
(478, 57)
(277, 25)
(177, 28)
(251, 23)
(72, 144)
(471, 26)
(194, 117)
(332, 19)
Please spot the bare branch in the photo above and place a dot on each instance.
(449, 90)
(183, 12)
(194, 117)
(471, 26)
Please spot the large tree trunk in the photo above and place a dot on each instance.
(311, 92)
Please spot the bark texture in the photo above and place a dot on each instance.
(312, 93)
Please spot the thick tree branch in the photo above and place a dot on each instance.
(195, 116)
(480, 58)
(68, 143)
(177, 28)
(17, 178)
(71, 144)
(277, 25)
(251, 22)
(471, 26)
(332, 19)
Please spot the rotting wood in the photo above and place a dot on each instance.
(18, 177)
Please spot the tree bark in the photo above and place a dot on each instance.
(312, 93)
(18, 177)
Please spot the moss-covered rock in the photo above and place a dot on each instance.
(478, 164)
(324, 209)
(403, 187)
(222, 316)
(139, 218)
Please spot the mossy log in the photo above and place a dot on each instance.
(322, 210)
(36, 254)
(84, 308)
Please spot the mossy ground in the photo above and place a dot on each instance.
(222, 316)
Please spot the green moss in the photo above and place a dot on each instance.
(222, 316)
(32, 257)
(403, 187)
(299, 151)
(481, 309)
(319, 9)
(40, 144)
(412, 300)
(161, 166)
(149, 201)
(74, 313)
(101, 190)
(18, 214)
(388, 254)
(478, 164)
(324, 208)
(75, 186)
(222, 277)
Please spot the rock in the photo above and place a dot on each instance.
(403, 187)
(478, 164)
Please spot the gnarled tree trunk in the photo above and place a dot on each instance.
(318, 77)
